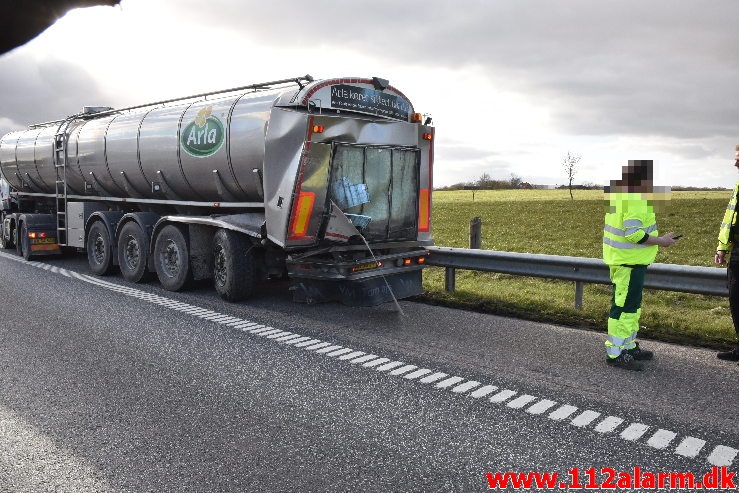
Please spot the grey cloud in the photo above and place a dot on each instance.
(664, 67)
(47, 90)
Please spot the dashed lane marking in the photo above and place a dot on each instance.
(686, 446)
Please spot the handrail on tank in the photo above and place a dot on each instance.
(261, 85)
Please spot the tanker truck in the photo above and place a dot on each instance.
(324, 182)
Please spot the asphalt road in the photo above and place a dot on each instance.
(109, 386)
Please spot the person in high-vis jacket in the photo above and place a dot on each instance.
(727, 243)
(630, 243)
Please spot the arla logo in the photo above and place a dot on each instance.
(204, 135)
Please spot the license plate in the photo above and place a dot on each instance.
(39, 241)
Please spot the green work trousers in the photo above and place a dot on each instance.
(623, 318)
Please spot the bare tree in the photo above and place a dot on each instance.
(569, 162)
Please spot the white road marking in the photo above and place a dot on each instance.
(433, 377)
(689, 446)
(608, 424)
(722, 456)
(661, 438)
(502, 396)
(521, 401)
(464, 387)
(541, 407)
(449, 382)
(634, 431)
(403, 369)
(585, 418)
(364, 359)
(389, 366)
(378, 361)
(417, 373)
(562, 412)
(483, 391)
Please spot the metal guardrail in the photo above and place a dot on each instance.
(669, 277)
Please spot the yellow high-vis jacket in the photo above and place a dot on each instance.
(629, 220)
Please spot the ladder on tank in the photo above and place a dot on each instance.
(60, 168)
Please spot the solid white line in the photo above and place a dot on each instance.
(634, 431)
(562, 412)
(464, 387)
(661, 438)
(521, 401)
(541, 407)
(608, 424)
(433, 377)
(722, 456)
(483, 391)
(502, 396)
(690, 447)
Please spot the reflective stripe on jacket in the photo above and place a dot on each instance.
(725, 240)
(628, 221)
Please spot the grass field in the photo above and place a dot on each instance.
(549, 222)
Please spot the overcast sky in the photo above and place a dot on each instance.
(512, 85)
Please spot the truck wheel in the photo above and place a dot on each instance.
(22, 245)
(172, 259)
(133, 249)
(99, 249)
(234, 270)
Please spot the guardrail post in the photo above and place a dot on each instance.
(578, 294)
(450, 279)
(476, 233)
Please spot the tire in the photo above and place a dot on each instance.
(99, 250)
(172, 258)
(234, 269)
(133, 253)
(22, 245)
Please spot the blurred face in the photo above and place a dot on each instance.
(736, 159)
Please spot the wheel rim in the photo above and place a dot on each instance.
(219, 266)
(169, 259)
(98, 249)
(132, 253)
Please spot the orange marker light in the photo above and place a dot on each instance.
(318, 129)
(428, 136)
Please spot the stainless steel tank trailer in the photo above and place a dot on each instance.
(327, 182)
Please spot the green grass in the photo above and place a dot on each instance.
(548, 222)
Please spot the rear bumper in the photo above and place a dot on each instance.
(368, 291)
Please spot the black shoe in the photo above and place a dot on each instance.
(732, 355)
(625, 361)
(640, 354)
